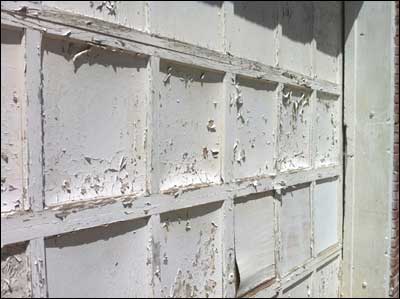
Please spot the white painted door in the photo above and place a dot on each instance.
(175, 149)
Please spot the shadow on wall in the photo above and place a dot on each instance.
(294, 18)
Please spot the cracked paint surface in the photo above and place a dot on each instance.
(294, 129)
(12, 98)
(189, 126)
(254, 129)
(191, 253)
(327, 130)
(15, 272)
(94, 122)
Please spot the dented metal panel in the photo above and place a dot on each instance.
(254, 240)
(12, 98)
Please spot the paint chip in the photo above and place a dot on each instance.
(215, 153)
(211, 127)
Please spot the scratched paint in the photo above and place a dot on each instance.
(12, 98)
(190, 125)
(254, 240)
(295, 227)
(294, 129)
(254, 103)
(100, 262)
(94, 129)
(327, 129)
(190, 255)
(15, 272)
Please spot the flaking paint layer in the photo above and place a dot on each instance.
(94, 121)
(15, 272)
(12, 98)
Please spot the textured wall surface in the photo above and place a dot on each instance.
(369, 120)
(173, 149)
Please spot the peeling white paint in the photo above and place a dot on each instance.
(192, 257)
(254, 131)
(327, 129)
(189, 137)
(15, 272)
(294, 129)
(100, 141)
(12, 132)
(94, 122)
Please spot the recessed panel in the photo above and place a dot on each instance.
(325, 208)
(294, 129)
(15, 272)
(191, 257)
(195, 22)
(295, 227)
(327, 130)
(254, 240)
(101, 262)
(94, 118)
(190, 125)
(12, 99)
(255, 127)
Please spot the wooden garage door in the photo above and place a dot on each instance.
(171, 149)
